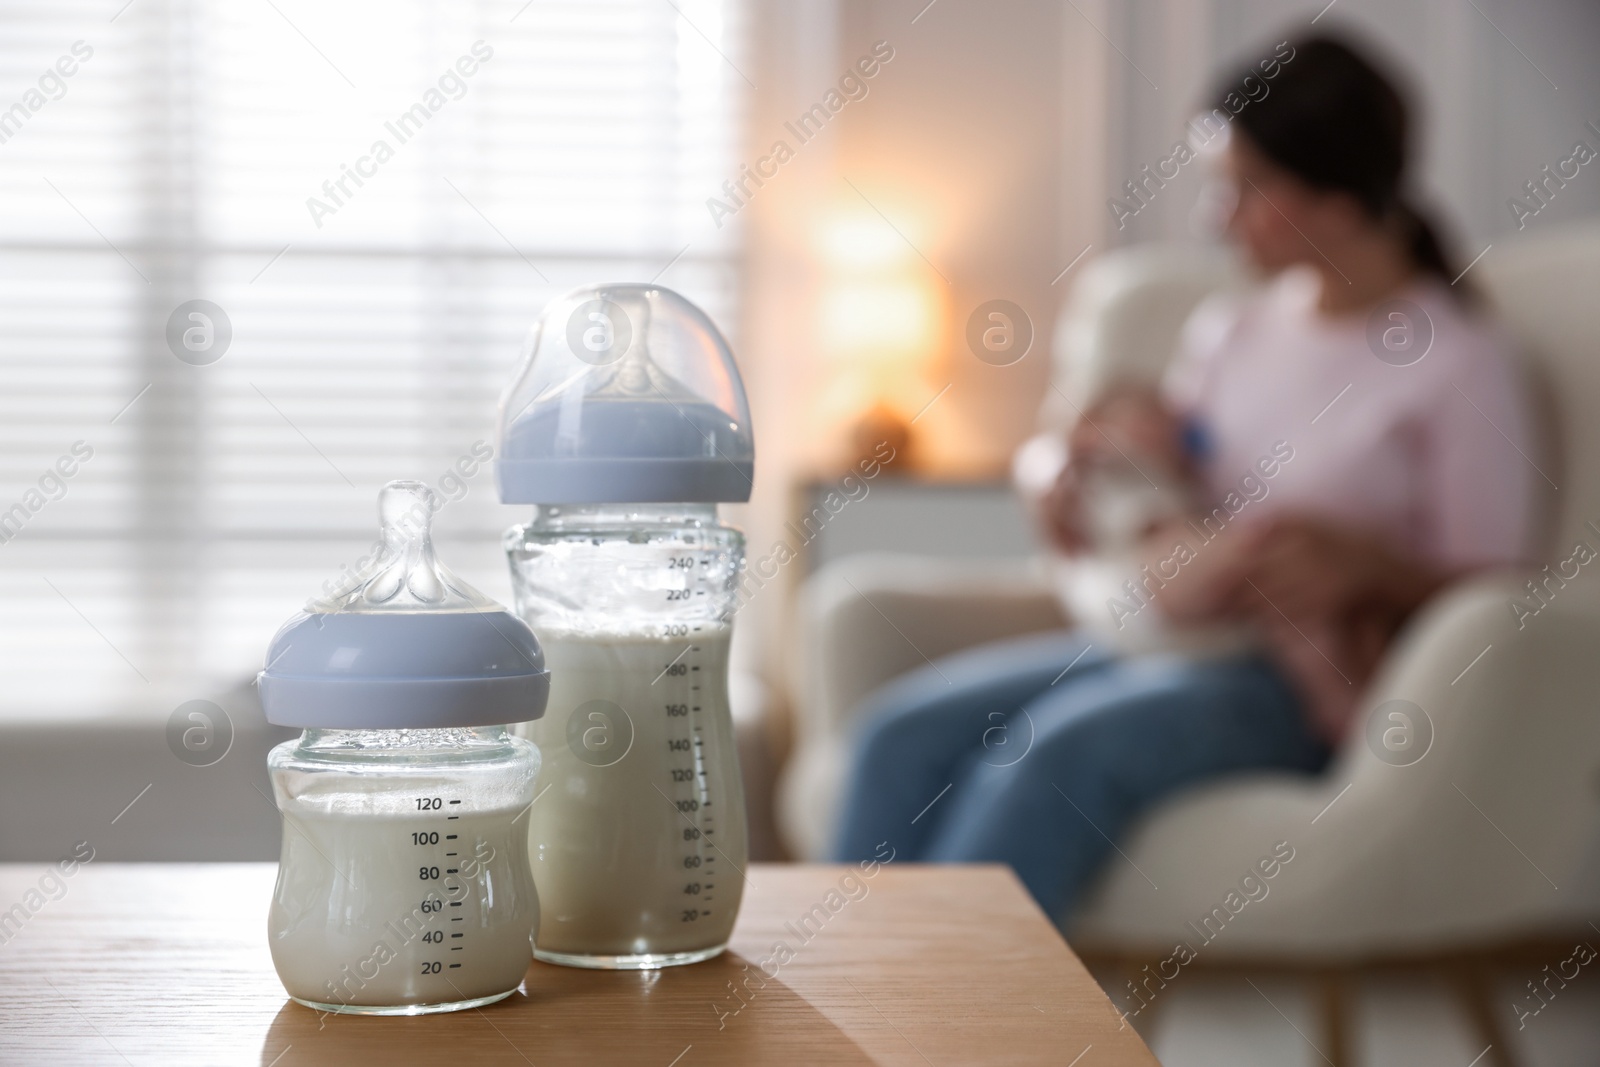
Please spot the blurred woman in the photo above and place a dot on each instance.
(1348, 439)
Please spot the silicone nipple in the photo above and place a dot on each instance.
(635, 374)
(405, 575)
(634, 371)
(625, 393)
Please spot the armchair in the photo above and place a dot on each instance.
(1491, 837)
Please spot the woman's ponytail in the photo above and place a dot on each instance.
(1427, 249)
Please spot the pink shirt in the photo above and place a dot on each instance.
(1436, 457)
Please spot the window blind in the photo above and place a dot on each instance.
(377, 297)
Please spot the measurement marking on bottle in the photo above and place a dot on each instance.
(455, 802)
(453, 966)
(458, 935)
(456, 920)
(449, 853)
(449, 837)
(451, 870)
(452, 816)
(455, 903)
(455, 948)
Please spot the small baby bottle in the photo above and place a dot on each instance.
(626, 426)
(404, 884)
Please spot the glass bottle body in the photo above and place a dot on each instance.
(404, 885)
(638, 839)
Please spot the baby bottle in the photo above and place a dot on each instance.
(403, 885)
(625, 427)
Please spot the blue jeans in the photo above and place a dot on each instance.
(1039, 752)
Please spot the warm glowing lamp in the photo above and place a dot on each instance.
(882, 319)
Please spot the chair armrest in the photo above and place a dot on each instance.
(1467, 842)
(865, 620)
(1506, 799)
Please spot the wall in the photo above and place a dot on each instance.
(1501, 87)
(961, 144)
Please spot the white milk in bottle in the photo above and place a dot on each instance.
(642, 855)
(626, 426)
(442, 910)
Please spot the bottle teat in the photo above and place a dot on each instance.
(627, 393)
(404, 574)
(632, 370)
(403, 643)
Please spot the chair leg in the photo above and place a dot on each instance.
(1472, 987)
(1333, 990)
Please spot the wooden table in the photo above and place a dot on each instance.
(167, 964)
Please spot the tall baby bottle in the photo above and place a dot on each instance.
(625, 427)
(404, 884)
